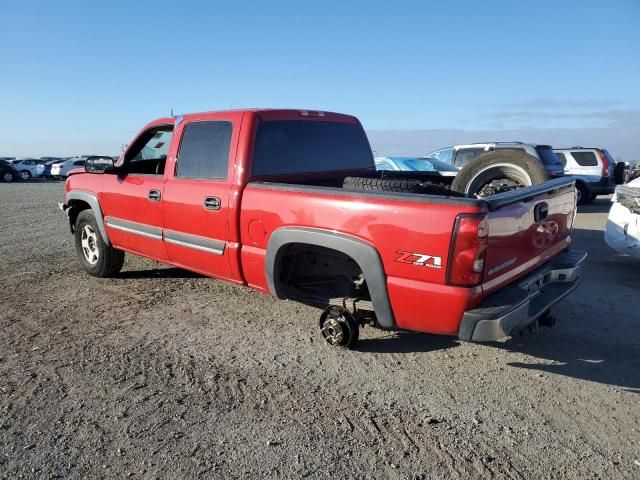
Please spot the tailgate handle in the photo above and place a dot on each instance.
(541, 211)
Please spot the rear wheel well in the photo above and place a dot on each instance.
(317, 275)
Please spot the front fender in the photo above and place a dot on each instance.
(92, 200)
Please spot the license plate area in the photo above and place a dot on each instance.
(535, 285)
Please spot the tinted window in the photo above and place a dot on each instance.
(296, 146)
(562, 159)
(465, 155)
(547, 155)
(204, 151)
(585, 159)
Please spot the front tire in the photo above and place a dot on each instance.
(25, 175)
(96, 257)
(8, 177)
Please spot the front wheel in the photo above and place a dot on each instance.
(7, 177)
(25, 175)
(96, 257)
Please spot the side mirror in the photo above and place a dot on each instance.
(99, 164)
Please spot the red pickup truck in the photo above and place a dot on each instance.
(259, 198)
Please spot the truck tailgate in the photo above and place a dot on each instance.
(526, 228)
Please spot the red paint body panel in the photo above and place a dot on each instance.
(420, 297)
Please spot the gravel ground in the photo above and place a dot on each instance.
(160, 373)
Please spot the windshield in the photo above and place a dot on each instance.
(299, 146)
(444, 154)
(421, 164)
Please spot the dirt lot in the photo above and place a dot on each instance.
(163, 374)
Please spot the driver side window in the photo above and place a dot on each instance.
(148, 154)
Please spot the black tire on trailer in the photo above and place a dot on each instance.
(515, 166)
(408, 185)
(96, 257)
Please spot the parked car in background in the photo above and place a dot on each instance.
(415, 164)
(46, 172)
(62, 169)
(593, 169)
(8, 173)
(29, 167)
(496, 167)
(460, 155)
(623, 225)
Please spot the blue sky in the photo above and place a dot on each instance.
(77, 76)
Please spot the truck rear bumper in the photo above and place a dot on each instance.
(524, 302)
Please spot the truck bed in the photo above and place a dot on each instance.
(396, 222)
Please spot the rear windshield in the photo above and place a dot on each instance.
(547, 155)
(298, 146)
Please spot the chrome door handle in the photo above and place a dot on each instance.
(154, 195)
(212, 203)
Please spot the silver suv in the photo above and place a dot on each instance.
(593, 169)
(460, 155)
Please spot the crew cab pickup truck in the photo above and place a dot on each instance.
(256, 197)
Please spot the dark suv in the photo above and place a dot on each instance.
(7, 172)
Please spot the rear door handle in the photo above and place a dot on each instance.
(212, 203)
(154, 195)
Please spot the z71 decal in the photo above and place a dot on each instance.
(420, 259)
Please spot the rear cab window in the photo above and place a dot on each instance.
(284, 147)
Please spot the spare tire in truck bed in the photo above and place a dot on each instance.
(499, 171)
(406, 185)
(409, 185)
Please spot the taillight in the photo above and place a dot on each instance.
(468, 250)
(605, 164)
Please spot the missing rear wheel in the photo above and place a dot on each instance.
(338, 327)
